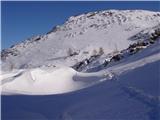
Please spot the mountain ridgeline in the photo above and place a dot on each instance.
(81, 37)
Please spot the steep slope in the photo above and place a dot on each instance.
(40, 81)
(82, 35)
(133, 93)
(130, 93)
(132, 96)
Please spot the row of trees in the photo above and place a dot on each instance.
(99, 52)
(71, 52)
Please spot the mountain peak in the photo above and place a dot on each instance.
(85, 33)
(105, 18)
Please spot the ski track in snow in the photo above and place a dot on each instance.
(153, 102)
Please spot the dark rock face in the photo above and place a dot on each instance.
(6, 52)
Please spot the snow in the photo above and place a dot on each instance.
(41, 83)
(130, 93)
(38, 81)
(81, 34)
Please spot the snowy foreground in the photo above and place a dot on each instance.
(128, 90)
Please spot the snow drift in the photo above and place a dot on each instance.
(49, 81)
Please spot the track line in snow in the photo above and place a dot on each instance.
(152, 101)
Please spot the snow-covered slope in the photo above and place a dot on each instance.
(132, 94)
(41, 81)
(128, 90)
(83, 34)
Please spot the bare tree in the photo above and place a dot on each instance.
(101, 51)
(70, 52)
(11, 66)
(116, 48)
(94, 52)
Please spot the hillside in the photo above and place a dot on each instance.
(127, 90)
(81, 36)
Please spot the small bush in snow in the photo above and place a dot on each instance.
(70, 52)
(117, 57)
(85, 52)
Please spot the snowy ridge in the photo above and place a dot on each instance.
(41, 81)
(82, 34)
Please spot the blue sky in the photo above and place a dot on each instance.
(21, 20)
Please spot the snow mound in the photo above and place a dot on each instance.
(49, 81)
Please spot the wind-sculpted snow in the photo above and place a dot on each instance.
(41, 82)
